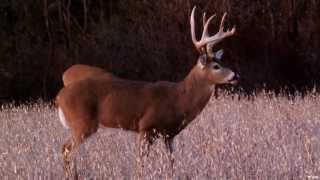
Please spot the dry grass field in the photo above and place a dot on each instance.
(233, 138)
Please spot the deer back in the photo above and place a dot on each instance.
(79, 72)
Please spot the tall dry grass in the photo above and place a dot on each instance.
(233, 138)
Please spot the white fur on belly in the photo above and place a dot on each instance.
(62, 118)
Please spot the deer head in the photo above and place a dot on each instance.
(209, 67)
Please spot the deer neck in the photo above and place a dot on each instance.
(195, 93)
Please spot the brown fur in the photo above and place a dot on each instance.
(79, 72)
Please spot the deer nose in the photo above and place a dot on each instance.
(235, 79)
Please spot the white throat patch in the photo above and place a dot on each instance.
(212, 88)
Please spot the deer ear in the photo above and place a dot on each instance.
(218, 55)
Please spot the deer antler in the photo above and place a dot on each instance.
(207, 41)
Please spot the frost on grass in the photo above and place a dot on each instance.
(233, 138)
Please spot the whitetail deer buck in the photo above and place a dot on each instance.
(80, 72)
(149, 109)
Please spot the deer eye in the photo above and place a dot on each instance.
(216, 67)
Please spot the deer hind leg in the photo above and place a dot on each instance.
(66, 152)
(79, 135)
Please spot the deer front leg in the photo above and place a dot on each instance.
(144, 142)
(169, 147)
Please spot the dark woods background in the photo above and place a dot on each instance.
(276, 46)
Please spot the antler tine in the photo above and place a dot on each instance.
(205, 33)
(221, 28)
(204, 19)
(221, 34)
(209, 46)
(222, 21)
(192, 26)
